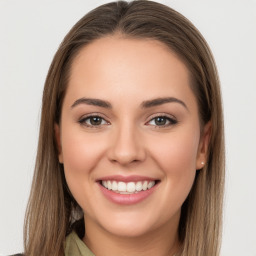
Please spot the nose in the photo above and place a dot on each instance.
(126, 146)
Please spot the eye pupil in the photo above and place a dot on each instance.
(95, 120)
(160, 120)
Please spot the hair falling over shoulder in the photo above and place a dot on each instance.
(52, 211)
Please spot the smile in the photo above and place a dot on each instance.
(127, 187)
(127, 190)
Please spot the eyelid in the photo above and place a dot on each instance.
(173, 120)
(161, 115)
(95, 114)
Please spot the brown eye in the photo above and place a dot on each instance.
(162, 121)
(91, 121)
(95, 120)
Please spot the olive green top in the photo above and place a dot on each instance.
(76, 247)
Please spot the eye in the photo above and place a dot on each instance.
(162, 121)
(93, 121)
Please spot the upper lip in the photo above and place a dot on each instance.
(132, 178)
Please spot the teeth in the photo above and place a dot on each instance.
(114, 185)
(145, 185)
(127, 188)
(109, 185)
(151, 184)
(130, 187)
(138, 186)
(121, 186)
(105, 183)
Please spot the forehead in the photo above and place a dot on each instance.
(139, 68)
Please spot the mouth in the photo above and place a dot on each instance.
(127, 190)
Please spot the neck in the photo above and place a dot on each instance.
(162, 241)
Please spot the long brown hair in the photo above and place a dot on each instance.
(51, 208)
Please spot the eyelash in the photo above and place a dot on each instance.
(84, 119)
(171, 120)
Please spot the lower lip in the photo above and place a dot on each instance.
(127, 199)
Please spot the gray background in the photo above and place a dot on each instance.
(30, 32)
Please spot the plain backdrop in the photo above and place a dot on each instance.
(30, 33)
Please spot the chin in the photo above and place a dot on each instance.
(129, 224)
(128, 229)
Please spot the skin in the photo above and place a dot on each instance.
(129, 141)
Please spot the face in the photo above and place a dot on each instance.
(129, 136)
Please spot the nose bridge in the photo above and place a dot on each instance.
(126, 144)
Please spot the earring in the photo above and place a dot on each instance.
(202, 163)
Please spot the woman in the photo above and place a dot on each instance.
(131, 150)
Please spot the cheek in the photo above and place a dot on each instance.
(176, 157)
(81, 153)
(177, 153)
(80, 150)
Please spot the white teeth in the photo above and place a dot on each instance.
(105, 184)
(121, 186)
(109, 185)
(151, 184)
(139, 186)
(145, 185)
(114, 185)
(130, 187)
(127, 188)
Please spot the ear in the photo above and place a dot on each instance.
(58, 141)
(202, 152)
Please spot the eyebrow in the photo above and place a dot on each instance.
(94, 102)
(144, 104)
(160, 101)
